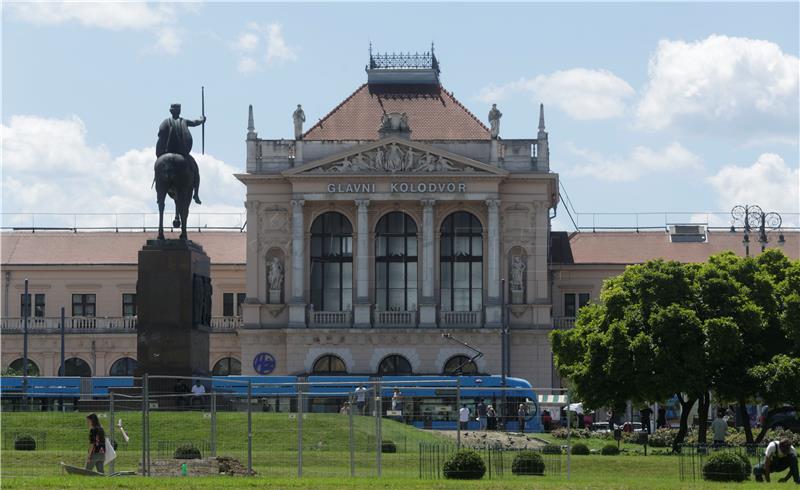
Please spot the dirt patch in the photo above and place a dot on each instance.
(222, 465)
(484, 438)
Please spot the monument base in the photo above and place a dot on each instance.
(173, 308)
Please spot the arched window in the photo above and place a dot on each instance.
(75, 366)
(332, 263)
(227, 366)
(461, 259)
(329, 364)
(394, 365)
(123, 367)
(460, 365)
(396, 263)
(15, 368)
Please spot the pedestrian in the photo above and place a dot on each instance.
(720, 429)
(491, 418)
(97, 444)
(779, 455)
(587, 420)
(198, 390)
(463, 417)
(361, 398)
(644, 416)
(480, 409)
(521, 415)
(345, 408)
(547, 420)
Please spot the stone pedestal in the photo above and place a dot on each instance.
(427, 315)
(275, 296)
(173, 296)
(517, 296)
(361, 315)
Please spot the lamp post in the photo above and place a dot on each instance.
(751, 218)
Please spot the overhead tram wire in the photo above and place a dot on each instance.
(568, 204)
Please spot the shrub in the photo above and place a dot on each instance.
(388, 447)
(609, 450)
(25, 443)
(187, 451)
(725, 466)
(580, 449)
(561, 433)
(464, 465)
(746, 462)
(551, 449)
(662, 438)
(527, 463)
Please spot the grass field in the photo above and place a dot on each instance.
(326, 457)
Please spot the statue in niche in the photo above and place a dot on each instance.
(517, 273)
(275, 274)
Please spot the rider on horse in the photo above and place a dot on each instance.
(174, 137)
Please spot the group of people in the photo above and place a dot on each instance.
(487, 416)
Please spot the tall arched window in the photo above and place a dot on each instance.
(329, 364)
(394, 365)
(227, 366)
(332, 263)
(16, 367)
(460, 365)
(396, 263)
(123, 367)
(75, 366)
(461, 259)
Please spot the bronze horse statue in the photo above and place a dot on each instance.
(175, 177)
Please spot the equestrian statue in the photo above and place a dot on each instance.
(176, 172)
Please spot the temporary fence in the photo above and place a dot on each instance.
(692, 459)
(498, 460)
(322, 426)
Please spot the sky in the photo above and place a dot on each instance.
(677, 108)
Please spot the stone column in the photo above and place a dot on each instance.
(427, 303)
(493, 307)
(362, 304)
(297, 305)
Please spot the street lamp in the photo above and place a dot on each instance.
(752, 218)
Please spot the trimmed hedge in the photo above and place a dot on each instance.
(551, 449)
(464, 465)
(580, 449)
(609, 450)
(25, 443)
(726, 467)
(187, 451)
(527, 463)
(388, 447)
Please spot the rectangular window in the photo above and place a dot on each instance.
(574, 302)
(129, 304)
(37, 301)
(227, 304)
(83, 304)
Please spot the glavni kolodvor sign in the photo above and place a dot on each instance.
(398, 187)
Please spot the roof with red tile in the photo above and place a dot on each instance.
(108, 248)
(433, 114)
(633, 248)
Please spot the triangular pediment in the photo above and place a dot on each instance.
(394, 156)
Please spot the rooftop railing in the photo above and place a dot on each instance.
(118, 222)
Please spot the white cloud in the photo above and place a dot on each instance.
(769, 182)
(275, 48)
(582, 93)
(639, 162)
(69, 175)
(729, 84)
(117, 16)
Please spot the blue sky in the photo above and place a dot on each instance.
(650, 107)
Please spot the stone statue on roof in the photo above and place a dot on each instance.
(299, 118)
(494, 121)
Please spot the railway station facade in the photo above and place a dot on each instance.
(397, 217)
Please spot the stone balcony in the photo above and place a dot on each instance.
(96, 324)
(563, 322)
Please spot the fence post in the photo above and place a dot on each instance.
(299, 431)
(249, 427)
(145, 423)
(569, 438)
(213, 421)
(458, 412)
(351, 416)
(111, 423)
(378, 437)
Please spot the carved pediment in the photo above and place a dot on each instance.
(395, 156)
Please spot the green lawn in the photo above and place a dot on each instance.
(326, 455)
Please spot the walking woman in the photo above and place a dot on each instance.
(97, 444)
(522, 414)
